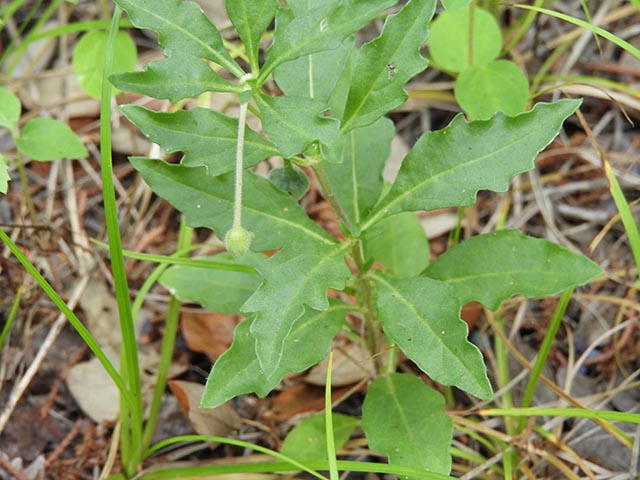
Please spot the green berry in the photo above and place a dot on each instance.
(237, 241)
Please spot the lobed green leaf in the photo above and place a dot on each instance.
(238, 371)
(422, 316)
(493, 267)
(384, 65)
(250, 19)
(182, 28)
(406, 420)
(178, 77)
(318, 29)
(295, 123)
(447, 168)
(294, 280)
(273, 216)
(205, 136)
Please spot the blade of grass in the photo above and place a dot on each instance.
(10, 9)
(544, 350)
(522, 26)
(551, 438)
(587, 14)
(581, 23)
(12, 316)
(588, 80)
(131, 427)
(609, 415)
(75, 321)
(239, 443)
(616, 192)
(617, 433)
(328, 422)
(42, 20)
(188, 262)
(625, 212)
(508, 456)
(285, 464)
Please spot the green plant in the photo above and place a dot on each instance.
(466, 42)
(331, 121)
(42, 139)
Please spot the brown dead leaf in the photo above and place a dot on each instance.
(101, 314)
(221, 421)
(217, 13)
(93, 390)
(399, 150)
(471, 313)
(439, 223)
(207, 332)
(302, 398)
(351, 364)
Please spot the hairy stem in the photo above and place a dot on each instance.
(373, 335)
(237, 204)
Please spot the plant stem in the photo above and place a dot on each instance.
(168, 343)
(24, 183)
(329, 194)
(237, 204)
(373, 334)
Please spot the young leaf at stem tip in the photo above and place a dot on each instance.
(319, 29)
(385, 64)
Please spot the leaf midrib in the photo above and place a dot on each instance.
(306, 231)
(381, 211)
(489, 275)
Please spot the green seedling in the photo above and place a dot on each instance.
(466, 41)
(42, 139)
